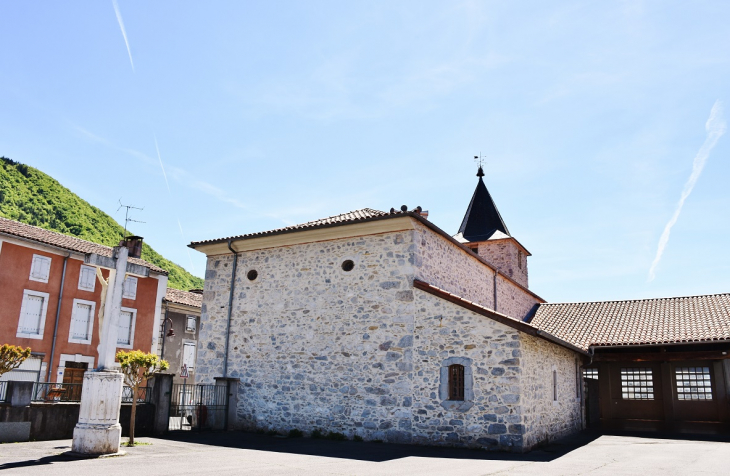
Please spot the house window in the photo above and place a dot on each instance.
(519, 259)
(693, 383)
(577, 379)
(130, 288)
(189, 354)
(456, 382)
(32, 314)
(555, 385)
(40, 268)
(474, 249)
(87, 278)
(125, 331)
(590, 373)
(190, 324)
(637, 384)
(82, 321)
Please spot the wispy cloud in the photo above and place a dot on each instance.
(715, 127)
(124, 32)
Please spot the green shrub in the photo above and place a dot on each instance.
(357, 438)
(336, 436)
(294, 433)
(272, 433)
(317, 434)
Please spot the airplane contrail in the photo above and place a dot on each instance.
(715, 127)
(124, 32)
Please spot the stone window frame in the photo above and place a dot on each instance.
(354, 258)
(555, 385)
(457, 405)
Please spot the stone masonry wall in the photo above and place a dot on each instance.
(492, 418)
(545, 418)
(445, 265)
(316, 346)
(504, 254)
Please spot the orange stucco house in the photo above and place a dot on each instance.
(52, 291)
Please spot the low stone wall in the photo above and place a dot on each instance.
(56, 421)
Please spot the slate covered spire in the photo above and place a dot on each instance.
(482, 219)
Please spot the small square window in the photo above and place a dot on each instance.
(87, 278)
(40, 268)
(637, 384)
(191, 324)
(130, 288)
(693, 383)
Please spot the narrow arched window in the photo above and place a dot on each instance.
(456, 382)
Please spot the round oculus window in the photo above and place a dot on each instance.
(253, 274)
(348, 265)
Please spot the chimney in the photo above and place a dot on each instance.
(134, 245)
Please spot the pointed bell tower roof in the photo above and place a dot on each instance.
(482, 220)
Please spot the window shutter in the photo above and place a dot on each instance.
(80, 321)
(130, 288)
(87, 278)
(30, 316)
(40, 267)
(189, 355)
(124, 332)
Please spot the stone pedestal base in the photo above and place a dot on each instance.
(98, 431)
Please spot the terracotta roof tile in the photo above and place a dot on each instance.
(640, 322)
(343, 218)
(59, 240)
(184, 297)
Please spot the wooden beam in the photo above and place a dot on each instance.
(661, 356)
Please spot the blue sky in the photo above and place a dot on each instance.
(590, 115)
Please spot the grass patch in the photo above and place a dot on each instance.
(317, 434)
(357, 438)
(294, 433)
(136, 443)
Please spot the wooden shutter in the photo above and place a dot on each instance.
(124, 333)
(80, 321)
(30, 314)
(456, 382)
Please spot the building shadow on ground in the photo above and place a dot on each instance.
(374, 451)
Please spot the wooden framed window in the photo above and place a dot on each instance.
(693, 383)
(189, 354)
(129, 288)
(637, 384)
(32, 314)
(125, 331)
(87, 278)
(82, 321)
(456, 382)
(190, 324)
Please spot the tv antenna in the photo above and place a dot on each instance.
(126, 216)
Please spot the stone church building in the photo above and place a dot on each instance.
(382, 325)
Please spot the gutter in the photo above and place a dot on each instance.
(230, 306)
(164, 328)
(58, 315)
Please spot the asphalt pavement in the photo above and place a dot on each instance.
(254, 454)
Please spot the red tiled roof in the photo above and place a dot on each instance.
(641, 322)
(184, 297)
(343, 218)
(59, 240)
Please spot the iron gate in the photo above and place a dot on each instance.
(198, 407)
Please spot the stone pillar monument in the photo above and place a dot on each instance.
(98, 431)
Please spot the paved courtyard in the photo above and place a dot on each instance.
(246, 453)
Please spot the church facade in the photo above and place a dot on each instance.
(382, 325)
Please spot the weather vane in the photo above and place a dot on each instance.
(126, 216)
(479, 159)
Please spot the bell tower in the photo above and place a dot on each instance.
(484, 231)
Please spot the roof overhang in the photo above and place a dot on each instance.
(107, 262)
(335, 231)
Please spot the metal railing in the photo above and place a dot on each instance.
(3, 391)
(56, 392)
(144, 394)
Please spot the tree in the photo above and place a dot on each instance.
(138, 366)
(11, 356)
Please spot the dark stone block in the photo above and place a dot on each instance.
(456, 422)
(497, 429)
(405, 341)
(497, 371)
(385, 425)
(385, 345)
(392, 356)
(517, 429)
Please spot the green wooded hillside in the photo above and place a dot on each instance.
(30, 196)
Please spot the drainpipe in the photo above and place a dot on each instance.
(230, 307)
(495, 290)
(58, 315)
(164, 327)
